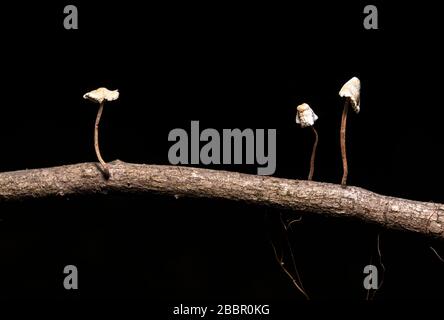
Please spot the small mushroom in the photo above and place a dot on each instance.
(351, 91)
(101, 95)
(306, 117)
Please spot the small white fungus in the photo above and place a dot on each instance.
(305, 116)
(352, 91)
(102, 94)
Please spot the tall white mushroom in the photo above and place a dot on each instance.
(306, 117)
(351, 91)
(101, 95)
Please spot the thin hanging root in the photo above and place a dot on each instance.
(293, 221)
(96, 142)
(436, 253)
(382, 266)
(282, 264)
(343, 143)
(291, 254)
(280, 260)
(368, 290)
(313, 154)
(380, 262)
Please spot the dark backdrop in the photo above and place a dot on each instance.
(229, 66)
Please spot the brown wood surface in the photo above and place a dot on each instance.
(298, 195)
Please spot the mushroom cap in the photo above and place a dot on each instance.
(102, 94)
(303, 107)
(352, 91)
(305, 116)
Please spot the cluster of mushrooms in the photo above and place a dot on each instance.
(306, 117)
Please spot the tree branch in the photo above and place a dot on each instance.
(305, 196)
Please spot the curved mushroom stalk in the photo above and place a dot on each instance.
(351, 91)
(306, 117)
(101, 95)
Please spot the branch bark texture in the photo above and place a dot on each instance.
(298, 195)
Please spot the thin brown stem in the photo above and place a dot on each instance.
(343, 146)
(96, 142)
(313, 154)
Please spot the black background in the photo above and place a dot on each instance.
(228, 66)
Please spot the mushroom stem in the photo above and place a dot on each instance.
(313, 154)
(96, 141)
(342, 138)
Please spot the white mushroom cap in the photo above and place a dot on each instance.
(305, 116)
(352, 91)
(102, 94)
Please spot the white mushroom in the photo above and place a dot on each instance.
(351, 90)
(101, 95)
(305, 116)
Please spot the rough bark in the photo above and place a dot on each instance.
(303, 196)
